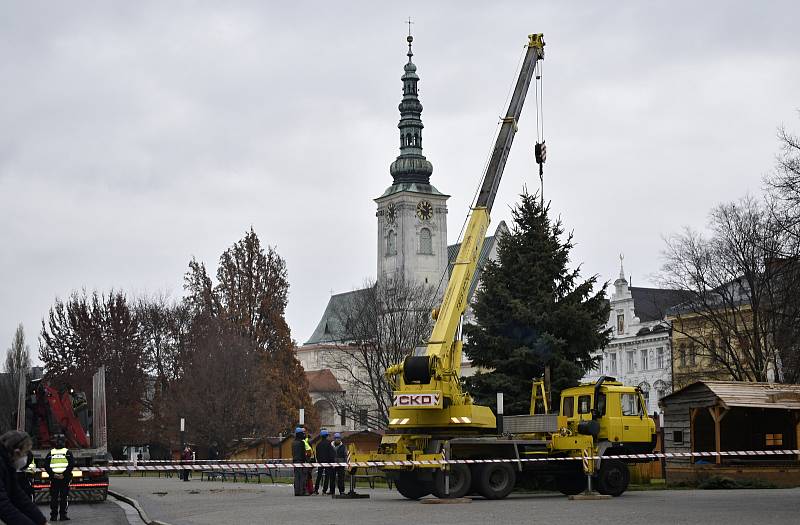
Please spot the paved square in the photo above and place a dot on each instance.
(207, 503)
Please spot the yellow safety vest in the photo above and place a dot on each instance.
(306, 444)
(58, 460)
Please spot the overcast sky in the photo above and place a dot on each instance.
(135, 135)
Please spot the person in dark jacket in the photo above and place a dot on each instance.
(58, 464)
(324, 455)
(339, 456)
(15, 507)
(25, 476)
(299, 456)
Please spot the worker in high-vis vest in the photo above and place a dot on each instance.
(58, 464)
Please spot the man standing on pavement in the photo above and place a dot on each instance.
(309, 459)
(324, 455)
(186, 459)
(299, 456)
(58, 464)
(339, 456)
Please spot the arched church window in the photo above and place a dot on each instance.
(425, 243)
(408, 139)
(391, 243)
(661, 388)
(416, 139)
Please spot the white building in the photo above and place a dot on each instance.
(640, 352)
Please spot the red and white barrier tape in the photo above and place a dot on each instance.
(409, 463)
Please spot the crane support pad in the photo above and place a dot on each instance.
(530, 424)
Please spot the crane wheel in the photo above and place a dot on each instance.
(460, 482)
(496, 480)
(613, 477)
(410, 486)
(571, 483)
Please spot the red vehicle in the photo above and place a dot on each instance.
(44, 411)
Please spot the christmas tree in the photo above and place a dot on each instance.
(532, 312)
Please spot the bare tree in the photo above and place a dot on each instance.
(17, 365)
(380, 326)
(223, 394)
(743, 309)
(783, 184)
(90, 330)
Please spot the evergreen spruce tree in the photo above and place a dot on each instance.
(533, 311)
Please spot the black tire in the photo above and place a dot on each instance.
(410, 486)
(613, 477)
(496, 480)
(571, 483)
(460, 482)
(475, 471)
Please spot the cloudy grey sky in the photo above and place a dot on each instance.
(136, 135)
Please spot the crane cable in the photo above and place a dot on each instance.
(540, 150)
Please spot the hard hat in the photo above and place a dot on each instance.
(337, 436)
(298, 430)
(323, 433)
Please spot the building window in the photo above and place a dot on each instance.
(613, 365)
(661, 389)
(682, 354)
(600, 363)
(660, 357)
(425, 244)
(391, 243)
(774, 440)
(620, 323)
(692, 354)
(362, 417)
(643, 360)
(677, 437)
(343, 418)
(631, 362)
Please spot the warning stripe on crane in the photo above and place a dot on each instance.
(165, 465)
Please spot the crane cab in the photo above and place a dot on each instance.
(610, 412)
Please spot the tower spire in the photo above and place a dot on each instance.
(411, 165)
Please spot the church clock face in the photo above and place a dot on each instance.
(424, 211)
(391, 213)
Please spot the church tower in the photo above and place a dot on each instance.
(412, 214)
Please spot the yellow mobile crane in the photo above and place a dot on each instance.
(432, 416)
(428, 390)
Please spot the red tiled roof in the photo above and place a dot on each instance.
(322, 381)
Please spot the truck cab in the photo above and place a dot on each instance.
(618, 411)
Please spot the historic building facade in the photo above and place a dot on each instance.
(640, 350)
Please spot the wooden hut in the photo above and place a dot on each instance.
(719, 416)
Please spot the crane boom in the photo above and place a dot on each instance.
(432, 381)
(508, 129)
